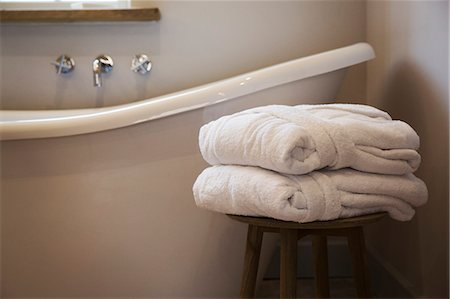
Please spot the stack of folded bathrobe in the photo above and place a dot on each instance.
(310, 162)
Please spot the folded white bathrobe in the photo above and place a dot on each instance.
(319, 195)
(300, 139)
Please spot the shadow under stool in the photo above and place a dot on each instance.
(291, 232)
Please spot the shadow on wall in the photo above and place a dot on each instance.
(418, 247)
(403, 96)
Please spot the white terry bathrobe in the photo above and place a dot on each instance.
(300, 139)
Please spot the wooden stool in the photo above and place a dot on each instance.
(290, 233)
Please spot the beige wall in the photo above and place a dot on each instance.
(409, 79)
(194, 43)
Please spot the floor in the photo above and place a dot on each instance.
(339, 288)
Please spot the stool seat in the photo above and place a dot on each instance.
(333, 224)
(290, 233)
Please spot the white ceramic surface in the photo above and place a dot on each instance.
(20, 124)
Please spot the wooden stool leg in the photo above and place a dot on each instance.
(288, 263)
(321, 266)
(358, 252)
(251, 261)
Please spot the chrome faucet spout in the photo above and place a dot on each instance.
(101, 64)
(97, 79)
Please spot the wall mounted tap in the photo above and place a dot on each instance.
(101, 64)
(141, 64)
(64, 64)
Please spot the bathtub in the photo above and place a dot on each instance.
(106, 208)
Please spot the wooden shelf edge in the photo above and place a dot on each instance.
(69, 16)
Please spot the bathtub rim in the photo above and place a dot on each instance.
(31, 124)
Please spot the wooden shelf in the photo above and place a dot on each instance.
(69, 16)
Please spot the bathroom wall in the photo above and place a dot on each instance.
(78, 213)
(194, 43)
(410, 79)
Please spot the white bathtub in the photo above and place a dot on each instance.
(111, 214)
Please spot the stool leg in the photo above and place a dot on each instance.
(358, 252)
(321, 266)
(288, 263)
(251, 260)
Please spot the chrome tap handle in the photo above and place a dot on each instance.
(141, 64)
(101, 64)
(64, 64)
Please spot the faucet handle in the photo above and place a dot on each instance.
(64, 64)
(141, 64)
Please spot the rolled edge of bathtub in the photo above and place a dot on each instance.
(30, 124)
